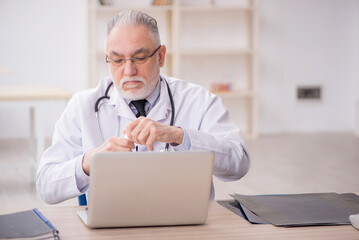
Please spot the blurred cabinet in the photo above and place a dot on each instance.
(212, 43)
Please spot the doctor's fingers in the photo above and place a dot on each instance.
(151, 140)
(145, 135)
(152, 132)
(142, 136)
(130, 126)
(116, 144)
(134, 128)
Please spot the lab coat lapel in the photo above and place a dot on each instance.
(121, 107)
(108, 122)
(117, 115)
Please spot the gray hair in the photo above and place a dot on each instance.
(135, 18)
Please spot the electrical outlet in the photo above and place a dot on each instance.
(313, 93)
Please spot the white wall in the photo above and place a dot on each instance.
(300, 42)
(357, 78)
(42, 42)
(304, 42)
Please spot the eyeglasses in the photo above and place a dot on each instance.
(119, 61)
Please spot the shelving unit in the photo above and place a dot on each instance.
(207, 42)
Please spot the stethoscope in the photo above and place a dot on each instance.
(99, 102)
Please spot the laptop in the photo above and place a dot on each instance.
(148, 189)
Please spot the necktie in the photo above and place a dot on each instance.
(140, 106)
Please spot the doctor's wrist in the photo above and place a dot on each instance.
(86, 163)
(179, 137)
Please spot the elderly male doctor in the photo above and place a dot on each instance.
(135, 55)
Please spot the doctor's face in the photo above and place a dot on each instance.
(134, 61)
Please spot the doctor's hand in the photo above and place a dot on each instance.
(114, 144)
(145, 131)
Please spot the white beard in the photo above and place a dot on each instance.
(145, 91)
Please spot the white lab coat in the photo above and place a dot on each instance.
(200, 113)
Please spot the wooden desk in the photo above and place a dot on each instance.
(221, 224)
(30, 94)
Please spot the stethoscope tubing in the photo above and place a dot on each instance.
(103, 97)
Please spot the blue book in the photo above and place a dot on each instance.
(30, 224)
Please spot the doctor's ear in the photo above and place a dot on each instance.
(106, 57)
(162, 55)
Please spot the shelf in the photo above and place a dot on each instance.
(234, 94)
(116, 9)
(210, 8)
(204, 43)
(212, 51)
